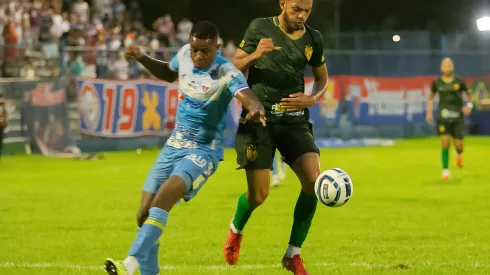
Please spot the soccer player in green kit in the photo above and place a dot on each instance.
(450, 112)
(275, 52)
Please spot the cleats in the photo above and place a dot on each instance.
(231, 250)
(294, 265)
(115, 267)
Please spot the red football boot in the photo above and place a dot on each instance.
(295, 265)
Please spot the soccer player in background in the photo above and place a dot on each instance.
(278, 170)
(207, 83)
(450, 112)
(275, 51)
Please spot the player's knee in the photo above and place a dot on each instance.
(258, 197)
(141, 217)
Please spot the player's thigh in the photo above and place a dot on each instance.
(444, 130)
(307, 169)
(161, 169)
(457, 130)
(254, 147)
(294, 140)
(195, 167)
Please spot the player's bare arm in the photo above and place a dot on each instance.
(158, 68)
(469, 106)
(255, 109)
(430, 105)
(300, 101)
(243, 60)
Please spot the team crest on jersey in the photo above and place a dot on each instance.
(252, 153)
(456, 86)
(206, 86)
(308, 52)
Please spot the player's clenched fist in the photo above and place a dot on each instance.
(133, 52)
(265, 46)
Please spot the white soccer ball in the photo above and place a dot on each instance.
(334, 187)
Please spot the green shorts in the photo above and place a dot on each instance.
(256, 145)
(452, 128)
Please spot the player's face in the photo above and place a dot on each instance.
(296, 12)
(203, 52)
(447, 67)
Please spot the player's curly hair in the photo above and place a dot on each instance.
(204, 30)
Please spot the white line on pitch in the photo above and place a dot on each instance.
(226, 267)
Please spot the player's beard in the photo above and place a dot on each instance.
(293, 23)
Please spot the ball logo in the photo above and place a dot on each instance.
(89, 106)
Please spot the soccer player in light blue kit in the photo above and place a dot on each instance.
(278, 169)
(207, 83)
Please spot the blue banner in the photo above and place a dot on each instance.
(126, 109)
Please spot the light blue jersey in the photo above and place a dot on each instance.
(194, 148)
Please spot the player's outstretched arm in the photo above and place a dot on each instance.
(158, 68)
(250, 102)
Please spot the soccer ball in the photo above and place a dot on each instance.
(334, 187)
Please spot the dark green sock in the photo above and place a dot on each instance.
(303, 215)
(243, 212)
(445, 158)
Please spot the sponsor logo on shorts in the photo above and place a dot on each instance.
(252, 153)
(445, 113)
(442, 129)
(181, 143)
(198, 160)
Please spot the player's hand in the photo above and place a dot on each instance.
(297, 102)
(133, 52)
(265, 46)
(466, 110)
(256, 113)
(429, 118)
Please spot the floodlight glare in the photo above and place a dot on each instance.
(483, 24)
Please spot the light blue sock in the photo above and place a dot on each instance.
(150, 266)
(274, 166)
(148, 235)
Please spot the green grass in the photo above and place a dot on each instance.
(65, 216)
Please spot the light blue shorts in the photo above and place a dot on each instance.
(194, 166)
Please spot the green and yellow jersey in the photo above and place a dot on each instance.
(280, 73)
(450, 98)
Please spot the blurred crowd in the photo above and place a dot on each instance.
(84, 38)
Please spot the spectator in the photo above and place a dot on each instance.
(28, 72)
(3, 120)
(10, 39)
(184, 30)
(118, 10)
(26, 29)
(81, 8)
(76, 65)
(120, 67)
(164, 26)
(46, 38)
(35, 16)
(229, 50)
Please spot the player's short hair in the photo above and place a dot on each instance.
(205, 30)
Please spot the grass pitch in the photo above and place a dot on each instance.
(65, 216)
